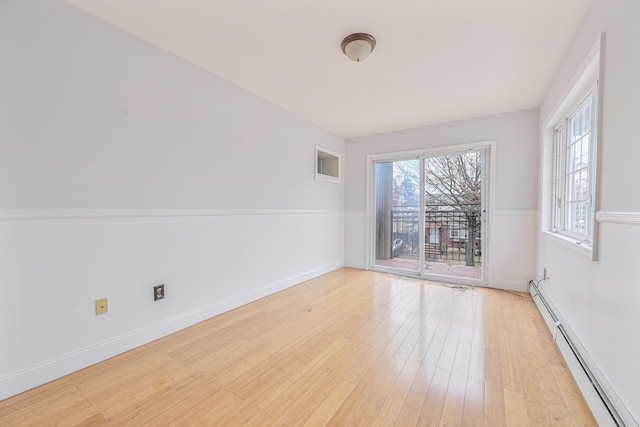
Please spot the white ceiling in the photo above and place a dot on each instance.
(435, 60)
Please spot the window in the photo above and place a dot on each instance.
(458, 233)
(327, 165)
(571, 150)
(574, 160)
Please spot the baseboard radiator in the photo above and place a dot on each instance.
(605, 405)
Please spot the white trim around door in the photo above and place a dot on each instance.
(487, 193)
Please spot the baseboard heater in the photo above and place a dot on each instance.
(599, 395)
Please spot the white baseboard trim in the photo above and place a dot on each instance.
(508, 285)
(354, 263)
(35, 375)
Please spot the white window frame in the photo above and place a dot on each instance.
(562, 156)
(458, 233)
(586, 82)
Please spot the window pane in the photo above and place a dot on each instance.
(575, 188)
(577, 152)
(571, 156)
(587, 115)
(397, 201)
(581, 186)
(580, 150)
(584, 158)
(577, 218)
(572, 171)
(577, 125)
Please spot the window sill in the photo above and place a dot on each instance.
(569, 243)
(327, 178)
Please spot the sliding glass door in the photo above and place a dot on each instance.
(429, 216)
(398, 215)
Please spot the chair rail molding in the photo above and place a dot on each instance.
(629, 218)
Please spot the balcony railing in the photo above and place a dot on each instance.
(448, 233)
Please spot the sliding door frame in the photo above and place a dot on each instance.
(487, 194)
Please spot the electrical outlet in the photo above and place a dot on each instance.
(158, 292)
(102, 306)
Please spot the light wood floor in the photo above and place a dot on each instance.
(349, 348)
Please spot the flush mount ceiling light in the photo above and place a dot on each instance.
(358, 46)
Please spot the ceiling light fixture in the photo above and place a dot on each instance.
(358, 46)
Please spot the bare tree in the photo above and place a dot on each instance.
(451, 182)
(455, 181)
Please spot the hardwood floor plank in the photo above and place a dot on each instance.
(473, 409)
(351, 347)
(452, 410)
(559, 415)
(457, 387)
(434, 401)
(38, 412)
(478, 342)
(397, 395)
(453, 334)
(515, 409)
(572, 397)
(95, 421)
(422, 381)
(494, 389)
(320, 387)
(408, 417)
(287, 368)
(32, 397)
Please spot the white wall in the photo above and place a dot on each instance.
(600, 301)
(515, 215)
(122, 167)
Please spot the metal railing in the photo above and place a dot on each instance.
(449, 232)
